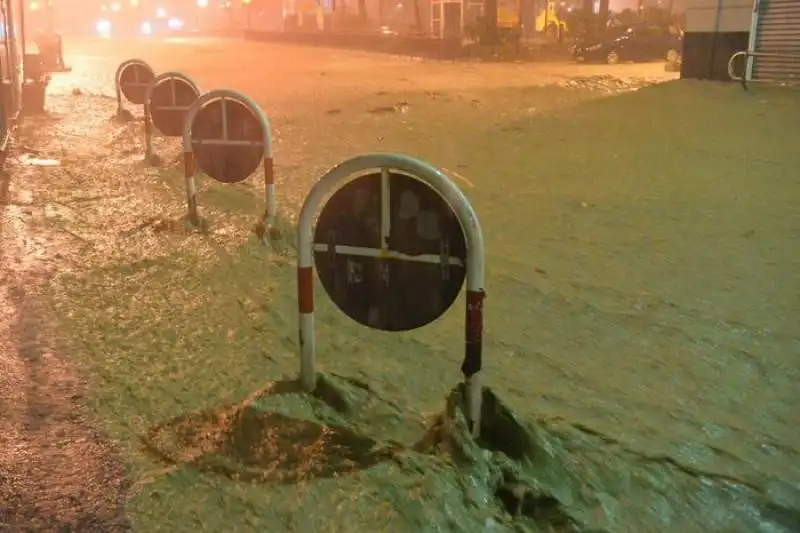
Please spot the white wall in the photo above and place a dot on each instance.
(719, 15)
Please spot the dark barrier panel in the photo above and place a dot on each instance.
(706, 54)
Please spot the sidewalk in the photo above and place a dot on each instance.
(57, 471)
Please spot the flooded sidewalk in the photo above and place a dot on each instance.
(57, 471)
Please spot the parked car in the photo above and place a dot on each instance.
(642, 42)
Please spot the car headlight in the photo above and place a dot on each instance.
(175, 24)
(103, 27)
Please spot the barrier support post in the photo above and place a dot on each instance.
(269, 187)
(119, 99)
(191, 188)
(148, 132)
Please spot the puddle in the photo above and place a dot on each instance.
(28, 161)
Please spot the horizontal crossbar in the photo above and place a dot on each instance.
(386, 254)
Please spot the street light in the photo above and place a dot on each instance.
(201, 4)
(246, 4)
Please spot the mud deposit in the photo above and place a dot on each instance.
(641, 342)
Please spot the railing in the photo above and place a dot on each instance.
(746, 54)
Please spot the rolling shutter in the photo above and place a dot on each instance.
(778, 32)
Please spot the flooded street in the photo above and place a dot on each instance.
(642, 342)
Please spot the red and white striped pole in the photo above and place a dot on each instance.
(189, 170)
(269, 190)
(473, 351)
(341, 174)
(148, 129)
(271, 210)
(305, 304)
(189, 163)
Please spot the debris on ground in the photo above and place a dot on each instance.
(598, 414)
(608, 83)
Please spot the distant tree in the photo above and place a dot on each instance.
(584, 21)
(417, 17)
(628, 17)
(656, 15)
(679, 20)
(602, 16)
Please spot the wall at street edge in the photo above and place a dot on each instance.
(715, 30)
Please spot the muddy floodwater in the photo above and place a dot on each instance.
(641, 343)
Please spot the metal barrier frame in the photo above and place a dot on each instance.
(190, 167)
(148, 123)
(748, 66)
(120, 69)
(452, 195)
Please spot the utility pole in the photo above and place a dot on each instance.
(51, 26)
(248, 8)
(589, 25)
(490, 20)
(602, 16)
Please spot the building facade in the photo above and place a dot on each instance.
(776, 35)
(716, 29)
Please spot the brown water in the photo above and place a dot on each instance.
(652, 373)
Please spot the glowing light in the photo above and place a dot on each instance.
(175, 24)
(116, 7)
(202, 3)
(103, 8)
(147, 28)
(103, 27)
(134, 3)
(246, 2)
(161, 13)
(34, 6)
